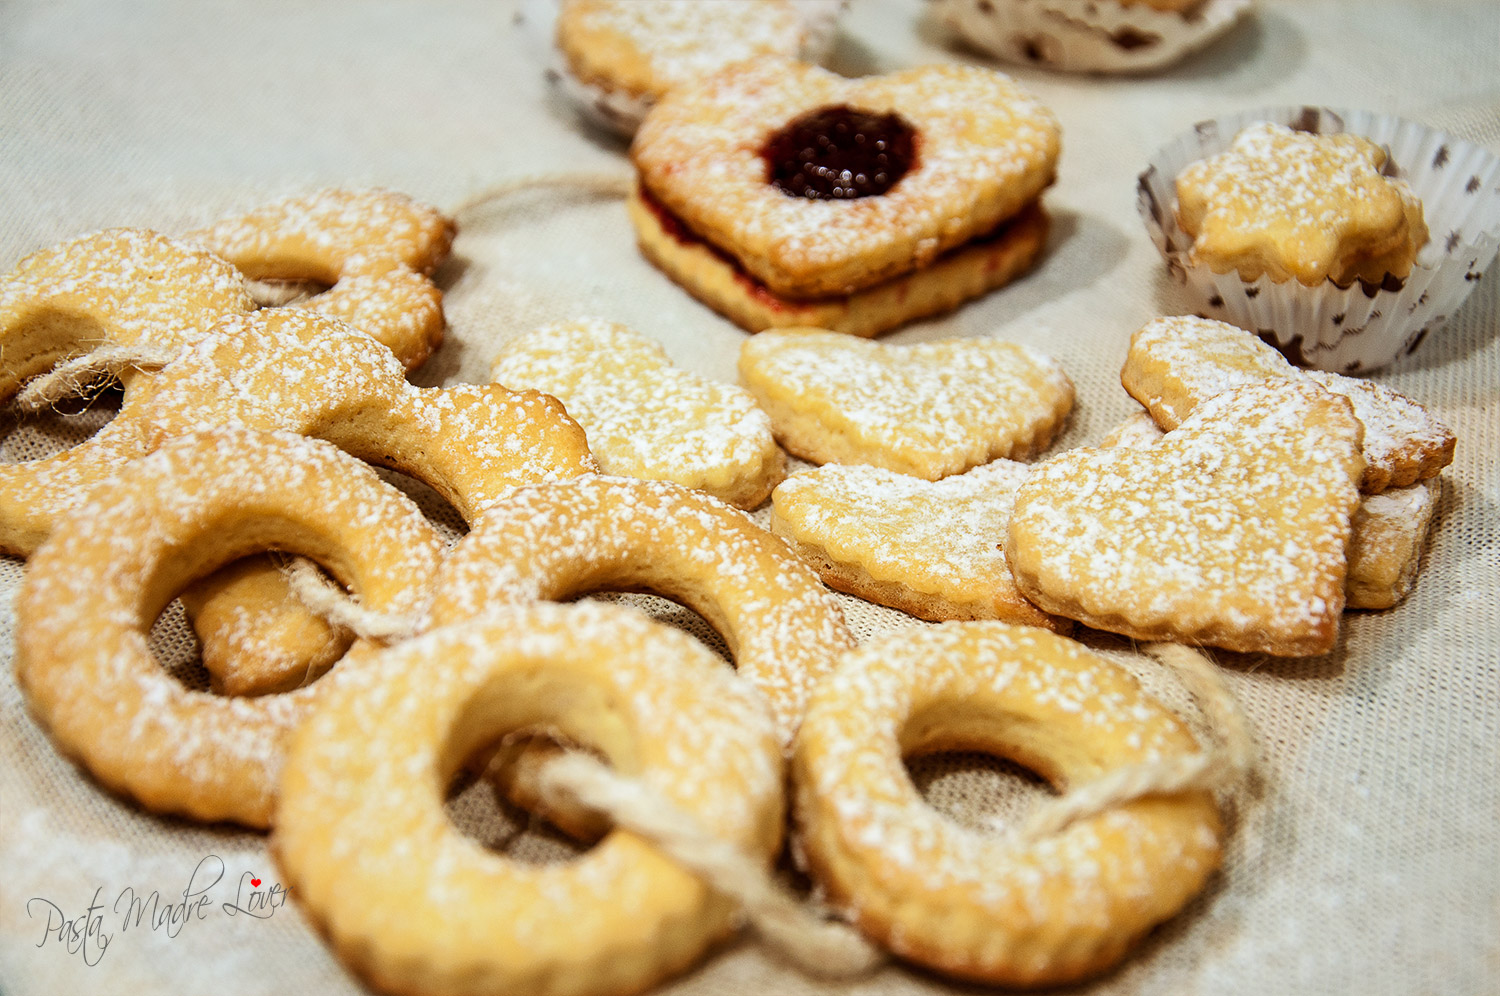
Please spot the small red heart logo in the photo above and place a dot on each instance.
(255, 881)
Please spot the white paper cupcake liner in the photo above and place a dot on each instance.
(620, 111)
(1097, 36)
(1361, 327)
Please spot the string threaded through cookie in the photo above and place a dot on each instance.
(1224, 767)
(821, 947)
(327, 600)
(603, 183)
(75, 378)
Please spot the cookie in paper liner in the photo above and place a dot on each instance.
(1096, 36)
(1363, 326)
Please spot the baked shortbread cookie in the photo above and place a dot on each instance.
(1385, 549)
(644, 417)
(930, 409)
(816, 186)
(933, 549)
(954, 277)
(1300, 206)
(1386, 536)
(646, 47)
(1231, 532)
(1175, 363)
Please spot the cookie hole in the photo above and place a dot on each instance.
(237, 632)
(477, 807)
(439, 511)
(504, 735)
(273, 293)
(254, 638)
(675, 614)
(177, 650)
(980, 792)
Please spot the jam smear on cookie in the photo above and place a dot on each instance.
(839, 153)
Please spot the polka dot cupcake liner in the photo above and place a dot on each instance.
(1364, 326)
(1097, 36)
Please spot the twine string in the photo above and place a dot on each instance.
(74, 378)
(318, 593)
(1223, 767)
(610, 184)
(792, 927)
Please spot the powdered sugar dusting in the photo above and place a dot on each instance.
(135, 286)
(1296, 205)
(362, 833)
(316, 236)
(919, 879)
(93, 592)
(298, 371)
(1175, 363)
(1230, 531)
(644, 417)
(986, 150)
(943, 539)
(559, 540)
(670, 42)
(929, 409)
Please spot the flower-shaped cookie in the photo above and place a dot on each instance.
(1303, 206)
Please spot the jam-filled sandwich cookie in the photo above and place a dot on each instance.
(619, 57)
(1300, 206)
(930, 409)
(1175, 363)
(930, 548)
(643, 416)
(780, 194)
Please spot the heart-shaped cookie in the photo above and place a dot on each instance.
(930, 548)
(1231, 531)
(644, 417)
(1175, 363)
(816, 187)
(930, 409)
(1387, 534)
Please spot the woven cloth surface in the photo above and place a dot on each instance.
(1369, 861)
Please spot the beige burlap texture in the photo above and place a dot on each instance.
(1369, 861)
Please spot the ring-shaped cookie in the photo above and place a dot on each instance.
(298, 371)
(93, 591)
(376, 249)
(416, 907)
(979, 906)
(554, 541)
(117, 287)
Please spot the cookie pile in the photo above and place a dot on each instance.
(1247, 506)
(224, 452)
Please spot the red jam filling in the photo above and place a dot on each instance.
(839, 153)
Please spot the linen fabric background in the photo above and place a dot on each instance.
(1370, 860)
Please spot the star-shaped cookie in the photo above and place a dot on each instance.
(1301, 206)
